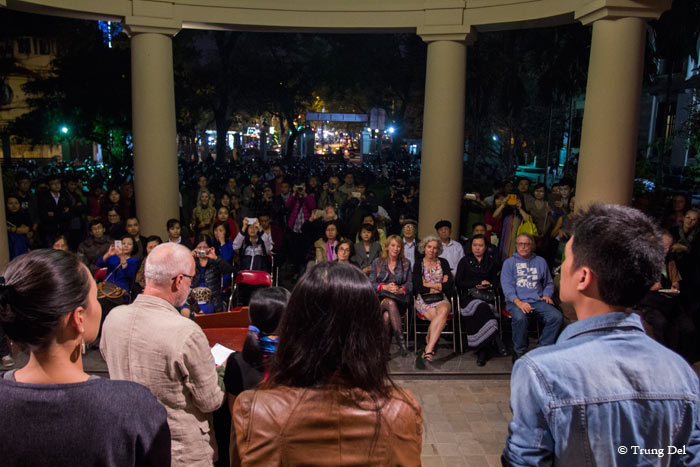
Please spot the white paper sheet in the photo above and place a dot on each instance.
(220, 353)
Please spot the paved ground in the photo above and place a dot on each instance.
(465, 422)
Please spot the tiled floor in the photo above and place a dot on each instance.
(465, 422)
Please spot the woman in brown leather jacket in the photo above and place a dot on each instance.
(328, 399)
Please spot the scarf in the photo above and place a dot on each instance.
(330, 250)
(268, 344)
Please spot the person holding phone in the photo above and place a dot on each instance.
(512, 212)
(121, 265)
(299, 206)
(209, 268)
(253, 246)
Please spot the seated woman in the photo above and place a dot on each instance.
(367, 249)
(252, 247)
(343, 250)
(330, 365)
(206, 283)
(325, 246)
(432, 281)
(391, 276)
(121, 265)
(477, 272)
(48, 303)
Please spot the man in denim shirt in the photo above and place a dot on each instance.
(605, 394)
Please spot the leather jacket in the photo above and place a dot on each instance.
(325, 426)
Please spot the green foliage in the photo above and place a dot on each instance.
(88, 90)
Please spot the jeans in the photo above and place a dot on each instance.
(544, 312)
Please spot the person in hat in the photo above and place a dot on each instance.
(452, 251)
(410, 240)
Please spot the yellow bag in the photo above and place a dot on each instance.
(528, 227)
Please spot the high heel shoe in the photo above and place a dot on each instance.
(398, 335)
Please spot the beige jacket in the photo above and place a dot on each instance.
(317, 426)
(150, 343)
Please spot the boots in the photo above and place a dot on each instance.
(398, 335)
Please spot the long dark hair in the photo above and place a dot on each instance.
(333, 333)
(36, 290)
(265, 310)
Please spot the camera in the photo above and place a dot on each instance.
(201, 252)
(299, 189)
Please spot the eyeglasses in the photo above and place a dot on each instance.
(523, 243)
(184, 275)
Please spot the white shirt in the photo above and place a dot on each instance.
(409, 251)
(452, 252)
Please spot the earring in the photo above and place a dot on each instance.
(83, 348)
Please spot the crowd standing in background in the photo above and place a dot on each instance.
(345, 237)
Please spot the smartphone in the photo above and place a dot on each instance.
(357, 194)
(470, 196)
(557, 197)
(118, 244)
(512, 200)
(252, 220)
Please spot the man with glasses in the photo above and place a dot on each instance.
(150, 343)
(528, 288)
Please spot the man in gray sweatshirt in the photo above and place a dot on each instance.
(528, 288)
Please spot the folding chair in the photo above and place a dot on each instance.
(455, 330)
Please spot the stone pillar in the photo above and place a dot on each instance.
(153, 113)
(613, 94)
(4, 242)
(443, 131)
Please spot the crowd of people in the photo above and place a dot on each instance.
(311, 385)
(285, 216)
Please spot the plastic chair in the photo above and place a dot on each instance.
(249, 280)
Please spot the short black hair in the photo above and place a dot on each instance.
(95, 222)
(171, 223)
(566, 181)
(623, 247)
(475, 224)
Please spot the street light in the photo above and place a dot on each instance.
(64, 129)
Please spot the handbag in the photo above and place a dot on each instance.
(399, 299)
(431, 298)
(201, 294)
(528, 227)
(486, 295)
(111, 292)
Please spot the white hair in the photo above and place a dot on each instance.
(166, 261)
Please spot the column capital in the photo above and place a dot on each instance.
(615, 9)
(457, 33)
(140, 24)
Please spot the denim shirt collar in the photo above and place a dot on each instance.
(607, 321)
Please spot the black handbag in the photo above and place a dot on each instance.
(487, 295)
(431, 298)
(399, 299)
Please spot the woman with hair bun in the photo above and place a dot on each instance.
(246, 369)
(330, 366)
(52, 411)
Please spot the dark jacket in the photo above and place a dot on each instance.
(360, 257)
(213, 271)
(471, 272)
(419, 289)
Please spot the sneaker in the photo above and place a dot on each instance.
(8, 361)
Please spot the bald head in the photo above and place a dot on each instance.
(166, 261)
